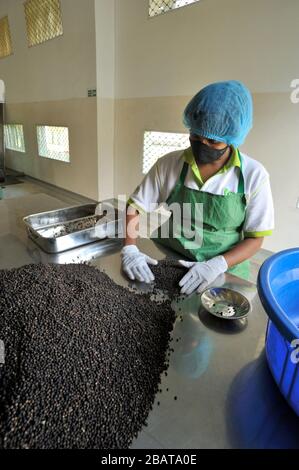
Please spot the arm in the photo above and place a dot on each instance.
(131, 226)
(134, 263)
(242, 251)
(259, 221)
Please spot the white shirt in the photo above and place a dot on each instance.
(160, 181)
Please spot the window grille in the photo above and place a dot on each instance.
(53, 143)
(5, 38)
(157, 144)
(156, 7)
(43, 20)
(14, 137)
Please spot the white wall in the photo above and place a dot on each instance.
(176, 53)
(275, 142)
(2, 91)
(47, 84)
(105, 60)
(59, 69)
(163, 61)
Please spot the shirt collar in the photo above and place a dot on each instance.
(233, 161)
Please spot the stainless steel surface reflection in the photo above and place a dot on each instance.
(226, 397)
(225, 303)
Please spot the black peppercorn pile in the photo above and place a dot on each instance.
(168, 274)
(83, 358)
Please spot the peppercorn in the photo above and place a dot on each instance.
(84, 357)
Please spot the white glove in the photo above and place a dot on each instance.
(201, 274)
(135, 264)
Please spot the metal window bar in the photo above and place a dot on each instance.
(43, 20)
(14, 137)
(157, 144)
(53, 143)
(157, 7)
(5, 38)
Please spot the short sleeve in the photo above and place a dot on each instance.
(146, 196)
(259, 220)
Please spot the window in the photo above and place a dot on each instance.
(53, 142)
(5, 38)
(157, 144)
(14, 137)
(43, 20)
(156, 7)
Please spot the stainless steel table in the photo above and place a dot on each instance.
(226, 397)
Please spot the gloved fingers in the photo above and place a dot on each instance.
(145, 272)
(129, 273)
(190, 287)
(189, 280)
(186, 278)
(202, 287)
(149, 272)
(152, 261)
(138, 275)
(187, 264)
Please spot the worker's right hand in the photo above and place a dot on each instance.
(135, 264)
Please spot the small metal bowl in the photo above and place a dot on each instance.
(224, 303)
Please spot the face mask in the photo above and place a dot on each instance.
(205, 154)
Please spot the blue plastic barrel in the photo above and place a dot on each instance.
(278, 288)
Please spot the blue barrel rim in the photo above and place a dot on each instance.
(285, 326)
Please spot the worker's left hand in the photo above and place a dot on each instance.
(201, 274)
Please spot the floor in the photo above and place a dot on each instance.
(33, 186)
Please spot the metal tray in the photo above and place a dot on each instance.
(45, 228)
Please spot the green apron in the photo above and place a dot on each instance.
(219, 226)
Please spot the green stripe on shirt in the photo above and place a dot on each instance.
(266, 233)
(132, 203)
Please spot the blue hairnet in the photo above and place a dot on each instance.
(221, 111)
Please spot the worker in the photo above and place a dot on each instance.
(233, 188)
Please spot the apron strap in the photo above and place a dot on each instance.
(241, 187)
(183, 173)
